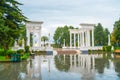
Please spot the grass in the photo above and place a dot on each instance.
(6, 58)
(3, 58)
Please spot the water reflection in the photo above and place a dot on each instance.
(63, 67)
(81, 64)
(12, 71)
(117, 66)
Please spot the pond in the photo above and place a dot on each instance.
(63, 67)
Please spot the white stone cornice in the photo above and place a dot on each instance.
(86, 24)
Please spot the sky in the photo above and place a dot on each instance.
(56, 13)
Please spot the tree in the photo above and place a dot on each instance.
(116, 34)
(106, 32)
(11, 22)
(61, 34)
(44, 38)
(101, 35)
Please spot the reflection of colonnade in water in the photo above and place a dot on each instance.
(34, 67)
(83, 64)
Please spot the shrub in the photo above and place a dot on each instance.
(8, 52)
(20, 51)
(2, 52)
(27, 49)
(117, 48)
(107, 48)
(103, 48)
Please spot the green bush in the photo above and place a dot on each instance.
(27, 49)
(117, 48)
(2, 52)
(8, 52)
(107, 48)
(103, 48)
(20, 51)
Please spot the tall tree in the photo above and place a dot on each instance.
(61, 34)
(116, 34)
(12, 21)
(106, 32)
(99, 35)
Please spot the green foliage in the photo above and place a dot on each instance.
(9, 52)
(104, 48)
(2, 52)
(106, 33)
(117, 48)
(11, 22)
(27, 49)
(116, 34)
(20, 51)
(6, 52)
(107, 48)
(2, 58)
(100, 35)
(62, 33)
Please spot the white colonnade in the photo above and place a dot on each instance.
(84, 36)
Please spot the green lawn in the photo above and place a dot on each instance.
(3, 58)
(23, 57)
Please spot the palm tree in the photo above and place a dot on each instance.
(44, 38)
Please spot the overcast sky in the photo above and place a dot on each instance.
(56, 13)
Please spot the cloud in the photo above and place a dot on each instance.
(56, 13)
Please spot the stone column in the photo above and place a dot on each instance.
(39, 39)
(49, 40)
(83, 42)
(28, 38)
(40, 36)
(33, 36)
(92, 37)
(88, 38)
(74, 40)
(78, 40)
(70, 40)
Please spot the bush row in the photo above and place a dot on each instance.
(107, 48)
(6, 52)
